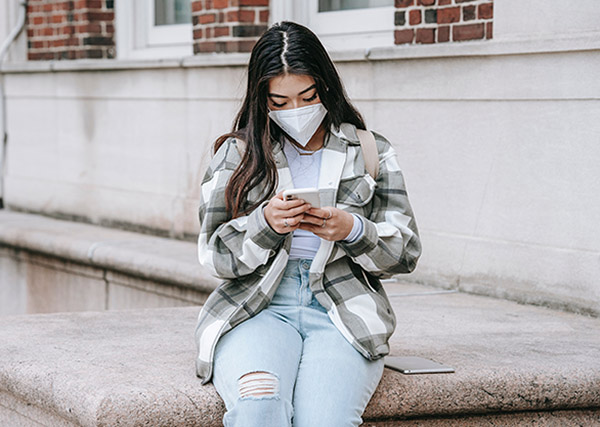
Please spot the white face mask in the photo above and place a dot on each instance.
(300, 123)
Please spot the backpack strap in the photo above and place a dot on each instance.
(240, 145)
(369, 149)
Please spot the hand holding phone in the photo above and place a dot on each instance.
(309, 195)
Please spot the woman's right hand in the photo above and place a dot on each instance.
(285, 216)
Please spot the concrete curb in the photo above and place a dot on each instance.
(135, 367)
(149, 257)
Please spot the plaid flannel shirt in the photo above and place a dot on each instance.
(344, 277)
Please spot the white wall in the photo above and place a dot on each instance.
(121, 146)
(501, 161)
(530, 19)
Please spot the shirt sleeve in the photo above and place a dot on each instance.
(230, 248)
(357, 230)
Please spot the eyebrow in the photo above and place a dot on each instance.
(274, 95)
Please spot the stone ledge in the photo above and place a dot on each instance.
(583, 41)
(154, 258)
(136, 367)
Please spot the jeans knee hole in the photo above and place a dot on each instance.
(258, 384)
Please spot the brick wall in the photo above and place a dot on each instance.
(228, 25)
(70, 29)
(438, 21)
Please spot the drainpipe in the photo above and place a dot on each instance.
(3, 51)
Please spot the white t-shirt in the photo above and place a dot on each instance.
(305, 171)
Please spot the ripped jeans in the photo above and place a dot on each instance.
(289, 365)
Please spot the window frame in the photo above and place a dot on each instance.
(337, 30)
(138, 38)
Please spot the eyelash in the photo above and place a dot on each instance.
(312, 98)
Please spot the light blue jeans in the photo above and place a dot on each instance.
(289, 365)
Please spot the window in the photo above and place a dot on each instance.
(342, 24)
(153, 28)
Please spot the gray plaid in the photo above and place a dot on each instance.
(344, 277)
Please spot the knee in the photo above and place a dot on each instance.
(258, 384)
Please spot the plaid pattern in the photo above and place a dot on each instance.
(344, 277)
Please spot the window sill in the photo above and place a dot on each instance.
(492, 47)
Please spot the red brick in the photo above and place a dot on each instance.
(94, 4)
(89, 28)
(110, 28)
(443, 33)
(220, 4)
(426, 2)
(263, 16)
(444, 2)
(403, 36)
(197, 34)
(404, 3)
(62, 6)
(447, 15)
(101, 16)
(57, 19)
(468, 12)
(196, 6)
(242, 15)
(57, 43)
(485, 11)
(40, 55)
(220, 31)
(254, 2)
(467, 32)
(425, 35)
(47, 31)
(414, 17)
(38, 20)
(488, 30)
(205, 47)
(207, 18)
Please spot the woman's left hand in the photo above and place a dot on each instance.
(328, 223)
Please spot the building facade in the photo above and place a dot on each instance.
(112, 107)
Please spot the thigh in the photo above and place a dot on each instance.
(335, 382)
(265, 343)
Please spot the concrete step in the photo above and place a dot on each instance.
(514, 364)
(49, 265)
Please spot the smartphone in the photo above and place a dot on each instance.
(416, 365)
(309, 195)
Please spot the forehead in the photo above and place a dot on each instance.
(290, 84)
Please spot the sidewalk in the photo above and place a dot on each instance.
(520, 365)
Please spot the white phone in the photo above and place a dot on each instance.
(309, 195)
(416, 365)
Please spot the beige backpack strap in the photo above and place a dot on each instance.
(369, 149)
(240, 145)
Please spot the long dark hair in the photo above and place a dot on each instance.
(285, 48)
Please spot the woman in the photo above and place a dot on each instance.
(298, 329)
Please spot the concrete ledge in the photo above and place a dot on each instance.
(154, 258)
(584, 41)
(513, 362)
